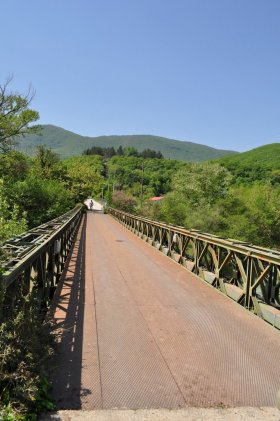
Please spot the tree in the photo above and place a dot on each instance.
(130, 151)
(11, 221)
(84, 176)
(47, 164)
(120, 151)
(15, 116)
(202, 183)
(14, 166)
(42, 199)
(123, 201)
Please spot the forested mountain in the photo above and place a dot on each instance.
(258, 164)
(66, 144)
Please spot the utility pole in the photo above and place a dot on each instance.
(142, 181)
(108, 178)
(114, 177)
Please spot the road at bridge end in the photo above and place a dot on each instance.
(139, 331)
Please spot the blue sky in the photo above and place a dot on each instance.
(207, 71)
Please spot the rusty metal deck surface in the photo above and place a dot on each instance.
(139, 331)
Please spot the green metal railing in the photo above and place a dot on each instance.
(246, 273)
(34, 261)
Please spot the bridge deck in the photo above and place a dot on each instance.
(139, 331)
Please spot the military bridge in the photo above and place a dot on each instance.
(151, 315)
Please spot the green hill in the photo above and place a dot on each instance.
(256, 164)
(66, 144)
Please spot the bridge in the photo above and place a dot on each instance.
(151, 315)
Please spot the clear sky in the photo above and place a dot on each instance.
(207, 71)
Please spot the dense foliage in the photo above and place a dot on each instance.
(142, 178)
(120, 151)
(229, 198)
(12, 220)
(26, 347)
(15, 115)
(259, 164)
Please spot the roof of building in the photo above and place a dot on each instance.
(156, 198)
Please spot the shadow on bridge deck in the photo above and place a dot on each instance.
(68, 310)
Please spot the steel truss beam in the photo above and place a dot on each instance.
(35, 260)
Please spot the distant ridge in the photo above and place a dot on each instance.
(255, 165)
(66, 144)
(266, 156)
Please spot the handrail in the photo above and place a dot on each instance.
(35, 259)
(246, 273)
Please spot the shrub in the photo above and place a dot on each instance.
(123, 201)
(26, 345)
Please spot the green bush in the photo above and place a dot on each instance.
(12, 221)
(42, 199)
(26, 346)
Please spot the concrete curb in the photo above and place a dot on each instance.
(187, 414)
